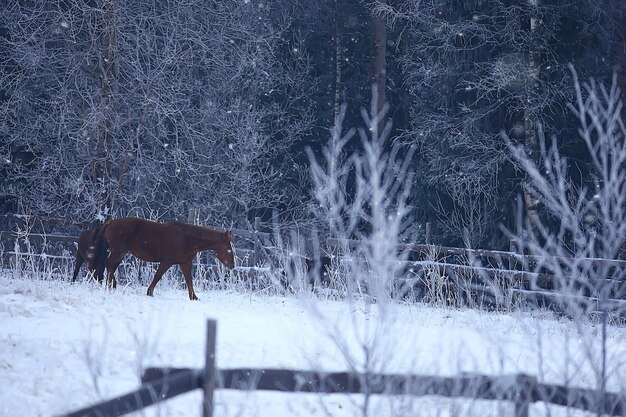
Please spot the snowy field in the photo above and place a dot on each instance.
(66, 346)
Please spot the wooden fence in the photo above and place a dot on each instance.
(249, 243)
(508, 269)
(160, 384)
(498, 277)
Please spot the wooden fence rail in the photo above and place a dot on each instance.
(160, 384)
(509, 274)
(254, 236)
(529, 286)
(150, 392)
(426, 249)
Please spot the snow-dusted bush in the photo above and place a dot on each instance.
(363, 196)
(583, 224)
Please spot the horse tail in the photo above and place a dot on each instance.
(100, 248)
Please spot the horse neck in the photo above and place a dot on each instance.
(202, 238)
(202, 244)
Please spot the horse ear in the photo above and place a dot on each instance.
(229, 235)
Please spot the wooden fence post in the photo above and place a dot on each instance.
(428, 233)
(257, 249)
(512, 248)
(526, 386)
(521, 408)
(209, 369)
(515, 248)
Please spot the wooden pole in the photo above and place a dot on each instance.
(525, 386)
(521, 407)
(209, 369)
(512, 248)
(428, 233)
(257, 249)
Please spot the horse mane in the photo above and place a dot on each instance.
(199, 232)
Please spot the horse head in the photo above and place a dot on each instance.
(225, 252)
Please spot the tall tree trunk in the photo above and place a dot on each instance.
(530, 125)
(337, 103)
(379, 64)
(108, 74)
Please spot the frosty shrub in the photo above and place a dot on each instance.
(363, 197)
(581, 234)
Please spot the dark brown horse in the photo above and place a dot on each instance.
(85, 252)
(318, 271)
(167, 243)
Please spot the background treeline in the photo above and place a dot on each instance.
(202, 109)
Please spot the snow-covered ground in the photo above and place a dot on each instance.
(65, 346)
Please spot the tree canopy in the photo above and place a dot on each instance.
(168, 109)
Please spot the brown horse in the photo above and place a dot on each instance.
(169, 244)
(85, 251)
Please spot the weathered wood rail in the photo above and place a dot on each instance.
(504, 276)
(160, 384)
(515, 274)
(428, 249)
(254, 236)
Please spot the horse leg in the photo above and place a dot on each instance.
(98, 270)
(93, 268)
(112, 262)
(79, 262)
(163, 266)
(99, 267)
(186, 268)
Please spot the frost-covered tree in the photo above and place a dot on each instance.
(156, 108)
(364, 196)
(579, 235)
(477, 67)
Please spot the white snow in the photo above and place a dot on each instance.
(65, 346)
